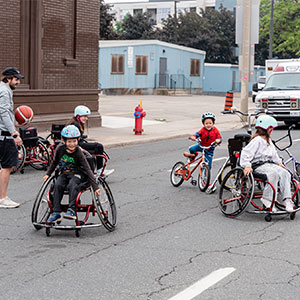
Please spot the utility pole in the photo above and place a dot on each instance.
(245, 56)
(271, 31)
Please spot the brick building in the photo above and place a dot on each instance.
(54, 43)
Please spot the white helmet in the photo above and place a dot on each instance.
(81, 110)
(265, 122)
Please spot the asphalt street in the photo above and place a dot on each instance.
(166, 240)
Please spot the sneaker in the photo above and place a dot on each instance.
(289, 205)
(267, 204)
(8, 203)
(70, 214)
(54, 217)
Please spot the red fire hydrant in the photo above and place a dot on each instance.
(139, 114)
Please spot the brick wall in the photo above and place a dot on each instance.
(9, 34)
(57, 44)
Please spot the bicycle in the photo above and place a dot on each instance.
(295, 169)
(183, 172)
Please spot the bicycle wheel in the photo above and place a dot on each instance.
(234, 201)
(21, 159)
(175, 176)
(225, 170)
(41, 210)
(203, 177)
(39, 156)
(105, 206)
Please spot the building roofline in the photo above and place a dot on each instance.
(117, 43)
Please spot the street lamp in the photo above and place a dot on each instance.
(271, 30)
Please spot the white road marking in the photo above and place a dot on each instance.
(296, 140)
(203, 284)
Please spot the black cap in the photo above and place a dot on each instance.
(12, 72)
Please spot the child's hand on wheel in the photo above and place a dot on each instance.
(247, 171)
(97, 192)
(45, 178)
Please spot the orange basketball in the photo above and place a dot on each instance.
(23, 115)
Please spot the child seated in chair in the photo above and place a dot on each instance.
(260, 155)
(208, 134)
(74, 167)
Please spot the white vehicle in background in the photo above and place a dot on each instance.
(281, 94)
(258, 86)
(271, 64)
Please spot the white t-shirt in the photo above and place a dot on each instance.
(258, 150)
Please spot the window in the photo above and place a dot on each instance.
(141, 65)
(153, 16)
(193, 9)
(195, 67)
(117, 64)
(137, 11)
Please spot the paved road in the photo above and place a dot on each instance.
(167, 239)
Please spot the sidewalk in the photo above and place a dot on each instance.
(166, 117)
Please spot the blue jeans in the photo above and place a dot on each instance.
(208, 155)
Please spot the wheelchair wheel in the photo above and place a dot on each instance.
(234, 201)
(203, 177)
(176, 179)
(21, 159)
(105, 206)
(225, 170)
(41, 210)
(39, 156)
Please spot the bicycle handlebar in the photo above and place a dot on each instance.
(287, 135)
(198, 140)
(231, 111)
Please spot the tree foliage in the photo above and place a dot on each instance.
(137, 27)
(213, 31)
(106, 22)
(286, 30)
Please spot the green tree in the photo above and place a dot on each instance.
(137, 27)
(106, 31)
(212, 31)
(286, 30)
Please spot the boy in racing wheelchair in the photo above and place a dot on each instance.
(74, 167)
(261, 156)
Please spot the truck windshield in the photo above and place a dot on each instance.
(283, 81)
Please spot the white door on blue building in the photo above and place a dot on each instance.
(163, 72)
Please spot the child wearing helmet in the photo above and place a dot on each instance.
(81, 114)
(208, 134)
(74, 167)
(261, 155)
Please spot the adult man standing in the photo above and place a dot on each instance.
(9, 137)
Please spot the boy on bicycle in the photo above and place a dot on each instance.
(74, 167)
(208, 134)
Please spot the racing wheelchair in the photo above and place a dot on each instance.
(88, 205)
(238, 192)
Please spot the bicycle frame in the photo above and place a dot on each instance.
(186, 171)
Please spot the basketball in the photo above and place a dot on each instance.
(23, 115)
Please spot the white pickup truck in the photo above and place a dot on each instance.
(281, 94)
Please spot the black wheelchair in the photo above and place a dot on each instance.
(239, 193)
(88, 205)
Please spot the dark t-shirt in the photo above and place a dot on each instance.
(74, 162)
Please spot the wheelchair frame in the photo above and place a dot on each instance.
(244, 192)
(103, 205)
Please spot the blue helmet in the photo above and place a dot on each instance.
(81, 110)
(208, 115)
(266, 121)
(70, 132)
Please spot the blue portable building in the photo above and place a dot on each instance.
(149, 66)
(220, 78)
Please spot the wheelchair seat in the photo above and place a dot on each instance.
(260, 176)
